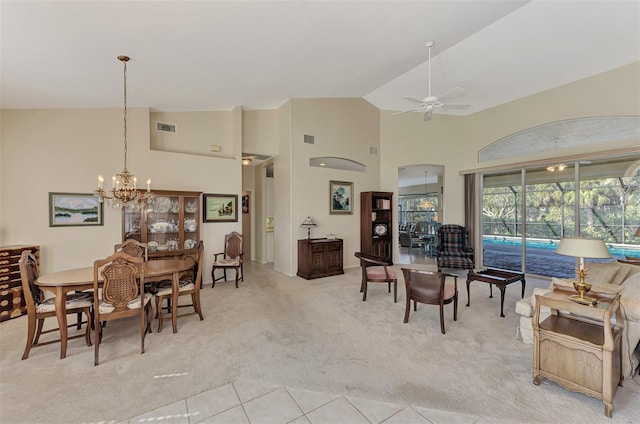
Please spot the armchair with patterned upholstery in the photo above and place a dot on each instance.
(454, 250)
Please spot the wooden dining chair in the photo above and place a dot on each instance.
(231, 258)
(375, 270)
(122, 294)
(39, 308)
(430, 288)
(189, 285)
(133, 247)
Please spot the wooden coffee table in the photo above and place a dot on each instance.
(500, 277)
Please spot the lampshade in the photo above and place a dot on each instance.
(580, 247)
(308, 224)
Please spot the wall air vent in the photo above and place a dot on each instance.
(166, 127)
(309, 139)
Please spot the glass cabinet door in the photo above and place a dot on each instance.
(190, 224)
(163, 223)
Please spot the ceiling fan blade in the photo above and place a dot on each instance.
(454, 92)
(413, 99)
(455, 106)
(427, 116)
(407, 110)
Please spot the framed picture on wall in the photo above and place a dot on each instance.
(245, 203)
(220, 208)
(340, 197)
(74, 210)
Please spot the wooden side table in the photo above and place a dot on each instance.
(579, 348)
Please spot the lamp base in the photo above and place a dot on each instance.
(586, 300)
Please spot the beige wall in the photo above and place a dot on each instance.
(46, 151)
(64, 151)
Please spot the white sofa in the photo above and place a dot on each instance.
(611, 277)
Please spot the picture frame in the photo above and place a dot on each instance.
(340, 198)
(219, 207)
(75, 210)
(245, 203)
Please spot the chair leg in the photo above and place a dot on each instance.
(31, 330)
(195, 300)
(242, 273)
(159, 300)
(455, 307)
(237, 271)
(79, 322)
(407, 310)
(38, 331)
(87, 333)
(224, 271)
(96, 338)
(442, 318)
(389, 286)
(395, 291)
(364, 290)
(415, 306)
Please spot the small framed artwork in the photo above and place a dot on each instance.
(340, 197)
(220, 208)
(74, 210)
(245, 203)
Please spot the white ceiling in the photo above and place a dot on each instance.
(215, 55)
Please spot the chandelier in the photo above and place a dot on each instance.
(557, 167)
(123, 190)
(425, 204)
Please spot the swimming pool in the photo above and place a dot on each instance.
(541, 259)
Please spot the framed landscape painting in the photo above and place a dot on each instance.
(74, 210)
(340, 197)
(220, 208)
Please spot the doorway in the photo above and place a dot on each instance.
(420, 193)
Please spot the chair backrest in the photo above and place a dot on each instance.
(370, 260)
(28, 264)
(196, 264)
(233, 245)
(123, 279)
(453, 238)
(133, 247)
(432, 281)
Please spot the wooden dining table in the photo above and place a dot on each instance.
(78, 279)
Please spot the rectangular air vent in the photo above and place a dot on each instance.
(309, 139)
(373, 150)
(166, 127)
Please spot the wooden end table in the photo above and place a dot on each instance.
(579, 348)
(500, 277)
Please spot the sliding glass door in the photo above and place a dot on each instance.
(527, 211)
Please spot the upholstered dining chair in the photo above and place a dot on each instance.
(133, 247)
(231, 258)
(454, 250)
(189, 285)
(375, 270)
(430, 288)
(122, 294)
(39, 308)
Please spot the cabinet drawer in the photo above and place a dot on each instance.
(11, 303)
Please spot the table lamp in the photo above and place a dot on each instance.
(308, 223)
(579, 247)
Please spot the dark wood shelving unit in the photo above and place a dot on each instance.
(376, 219)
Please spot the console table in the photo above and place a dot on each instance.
(579, 348)
(319, 258)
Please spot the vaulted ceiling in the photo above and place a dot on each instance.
(215, 55)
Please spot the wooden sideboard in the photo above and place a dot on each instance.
(11, 300)
(580, 348)
(319, 258)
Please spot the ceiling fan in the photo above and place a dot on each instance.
(429, 103)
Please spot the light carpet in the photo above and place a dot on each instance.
(315, 335)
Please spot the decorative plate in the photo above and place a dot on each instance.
(380, 229)
(163, 204)
(191, 206)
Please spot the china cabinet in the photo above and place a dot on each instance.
(169, 223)
(11, 300)
(376, 219)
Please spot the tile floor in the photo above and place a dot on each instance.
(246, 402)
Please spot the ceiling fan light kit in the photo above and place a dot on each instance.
(431, 102)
